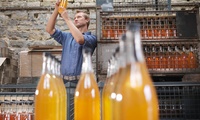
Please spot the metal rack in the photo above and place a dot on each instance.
(16, 105)
(174, 27)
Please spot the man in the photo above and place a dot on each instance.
(72, 42)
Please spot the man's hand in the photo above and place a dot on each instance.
(61, 10)
(65, 15)
(57, 5)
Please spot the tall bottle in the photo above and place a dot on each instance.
(192, 60)
(137, 99)
(87, 95)
(105, 87)
(170, 58)
(63, 4)
(107, 108)
(47, 94)
(119, 79)
(184, 56)
(62, 90)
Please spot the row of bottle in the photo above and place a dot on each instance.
(51, 97)
(171, 57)
(128, 92)
(151, 28)
(16, 110)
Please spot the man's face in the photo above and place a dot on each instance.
(79, 20)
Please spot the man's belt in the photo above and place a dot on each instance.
(71, 77)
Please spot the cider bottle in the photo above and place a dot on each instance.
(62, 90)
(110, 91)
(105, 87)
(87, 95)
(184, 58)
(177, 58)
(192, 60)
(47, 94)
(149, 59)
(170, 58)
(155, 58)
(137, 99)
(107, 109)
(120, 75)
(63, 4)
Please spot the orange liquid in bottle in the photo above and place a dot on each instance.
(117, 90)
(63, 98)
(104, 103)
(138, 99)
(13, 116)
(47, 99)
(87, 98)
(110, 96)
(192, 60)
(62, 4)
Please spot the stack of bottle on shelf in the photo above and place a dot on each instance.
(128, 92)
(151, 27)
(171, 57)
(50, 94)
(16, 109)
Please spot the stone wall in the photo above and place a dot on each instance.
(22, 24)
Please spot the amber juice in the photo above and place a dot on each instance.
(63, 98)
(117, 90)
(63, 4)
(87, 98)
(46, 99)
(138, 99)
(105, 100)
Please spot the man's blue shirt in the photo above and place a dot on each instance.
(72, 57)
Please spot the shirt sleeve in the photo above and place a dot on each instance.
(90, 42)
(59, 36)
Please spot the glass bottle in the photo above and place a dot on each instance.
(170, 60)
(47, 93)
(136, 98)
(105, 87)
(149, 59)
(120, 76)
(63, 4)
(192, 60)
(62, 89)
(184, 58)
(149, 30)
(177, 58)
(87, 95)
(107, 109)
(155, 58)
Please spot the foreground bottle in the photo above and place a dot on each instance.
(49, 93)
(87, 95)
(136, 97)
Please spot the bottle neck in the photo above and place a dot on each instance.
(138, 46)
(134, 45)
(129, 47)
(122, 53)
(46, 66)
(87, 63)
